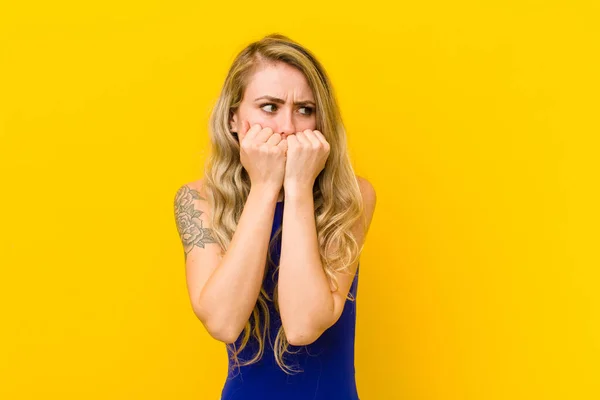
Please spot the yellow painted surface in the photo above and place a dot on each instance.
(476, 121)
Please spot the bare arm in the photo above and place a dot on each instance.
(223, 289)
(308, 303)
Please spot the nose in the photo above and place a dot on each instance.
(286, 123)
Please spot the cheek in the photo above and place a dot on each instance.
(254, 117)
(257, 117)
(312, 125)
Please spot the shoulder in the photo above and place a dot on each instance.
(196, 188)
(191, 193)
(369, 201)
(368, 193)
(197, 185)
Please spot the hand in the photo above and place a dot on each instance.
(306, 156)
(263, 154)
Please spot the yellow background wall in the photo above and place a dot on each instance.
(476, 121)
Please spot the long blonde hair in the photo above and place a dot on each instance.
(337, 197)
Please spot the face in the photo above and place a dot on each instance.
(278, 97)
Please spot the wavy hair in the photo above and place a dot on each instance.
(337, 197)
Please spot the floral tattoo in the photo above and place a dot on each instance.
(189, 225)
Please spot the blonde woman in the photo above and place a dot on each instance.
(273, 231)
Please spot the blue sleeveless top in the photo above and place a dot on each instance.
(327, 364)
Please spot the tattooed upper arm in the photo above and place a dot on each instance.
(191, 218)
(201, 251)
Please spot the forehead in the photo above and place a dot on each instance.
(279, 80)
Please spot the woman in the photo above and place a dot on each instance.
(273, 231)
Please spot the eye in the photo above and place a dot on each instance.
(310, 110)
(268, 104)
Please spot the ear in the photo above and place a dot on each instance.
(233, 124)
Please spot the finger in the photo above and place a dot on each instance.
(292, 141)
(274, 139)
(302, 139)
(283, 145)
(263, 135)
(321, 137)
(253, 131)
(312, 138)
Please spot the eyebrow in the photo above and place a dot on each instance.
(281, 101)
